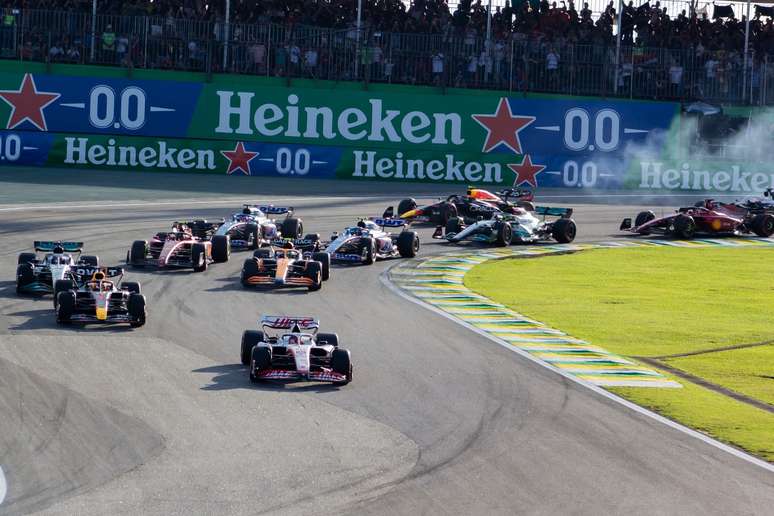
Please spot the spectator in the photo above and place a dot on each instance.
(56, 52)
(437, 68)
(310, 62)
(122, 47)
(552, 67)
(676, 80)
(73, 54)
(108, 45)
(256, 55)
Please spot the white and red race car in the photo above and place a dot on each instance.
(290, 348)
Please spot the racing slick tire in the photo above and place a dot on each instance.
(263, 253)
(65, 307)
(454, 225)
(292, 228)
(132, 286)
(341, 363)
(312, 242)
(527, 205)
(24, 276)
(684, 226)
(330, 339)
(136, 308)
(249, 269)
(62, 285)
(136, 256)
(564, 231)
(763, 225)
(221, 248)
(26, 258)
(504, 234)
(370, 246)
(314, 272)
(325, 261)
(448, 211)
(249, 340)
(261, 355)
(408, 244)
(90, 260)
(199, 257)
(253, 231)
(406, 205)
(643, 217)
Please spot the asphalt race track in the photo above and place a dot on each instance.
(438, 420)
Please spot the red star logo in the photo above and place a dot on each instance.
(503, 127)
(239, 159)
(526, 172)
(27, 103)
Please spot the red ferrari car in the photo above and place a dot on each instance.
(710, 218)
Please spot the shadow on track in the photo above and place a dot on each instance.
(45, 319)
(235, 376)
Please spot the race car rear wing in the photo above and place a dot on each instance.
(85, 273)
(200, 228)
(390, 223)
(564, 213)
(387, 219)
(46, 246)
(281, 322)
(524, 194)
(270, 209)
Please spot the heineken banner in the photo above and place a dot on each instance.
(249, 126)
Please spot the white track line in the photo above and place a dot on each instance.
(118, 204)
(389, 195)
(602, 392)
(3, 486)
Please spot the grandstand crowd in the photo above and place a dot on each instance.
(533, 46)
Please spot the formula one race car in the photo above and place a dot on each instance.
(710, 219)
(251, 228)
(289, 348)
(368, 241)
(286, 267)
(476, 203)
(179, 248)
(506, 228)
(99, 300)
(38, 275)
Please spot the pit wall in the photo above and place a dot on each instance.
(80, 117)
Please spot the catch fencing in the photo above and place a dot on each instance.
(519, 64)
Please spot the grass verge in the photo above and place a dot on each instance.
(657, 302)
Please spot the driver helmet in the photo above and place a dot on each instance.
(293, 339)
(361, 223)
(58, 249)
(288, 245)
(246, 210)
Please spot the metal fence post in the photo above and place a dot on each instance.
(510, 69)
(226, 35)
(93, 28)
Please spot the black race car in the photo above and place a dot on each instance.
(100, 300)
(474, 204)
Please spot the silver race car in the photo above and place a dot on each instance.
(290, 348)
(39, 275)
(521, 226)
